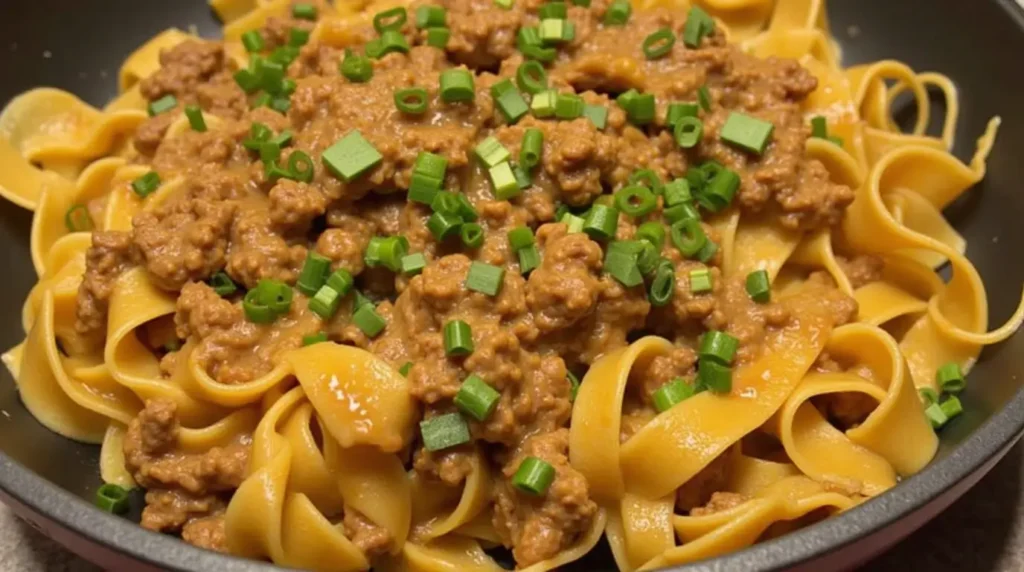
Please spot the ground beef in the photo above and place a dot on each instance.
(186, 238)
(231, 348)
(699, 490)
(720, 501)
(861, 270)
(537, 528)
(186, 491)
(371, 539)
(111, 253)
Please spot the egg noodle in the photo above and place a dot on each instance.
(57, 151)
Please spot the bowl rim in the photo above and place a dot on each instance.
(985, 446)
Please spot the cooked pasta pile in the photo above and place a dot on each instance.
(394, 285)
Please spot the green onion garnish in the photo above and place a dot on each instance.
(659, 43)
(412, 100)
(458, 339)
(444, 432)
(477, 399)
(701, 281)
(485, 278)
(746, 132)
(950, 378)
(351, 156)
(759, 286)
(457, 86)
(534, 476)
(369, 321)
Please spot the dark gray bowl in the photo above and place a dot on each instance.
(79, 46)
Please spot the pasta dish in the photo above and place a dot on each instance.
(446, 284)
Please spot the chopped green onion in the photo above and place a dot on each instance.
(465, 209)
(950, 378)
(391, 251)
(351, 156)
(165, 103)
(222, 284)
(112, 498)
(701, 281)
(676, 192)
(572, 221)
(643, 109)
(77, 219)
(721, 190)
(714, 375)
(253, 41)
(477, 399)
(618, 13)
(275, 294)
(928, 396)
(534, 476)
(531, 77)
(746, 132)
(506, 4)
(195, 118)
(405, 369)
(300, 165)
(356, 68)
(520, 237)
(568, 106)
(527, 36)
(659, 43)
(431, 164)
(491, 152)
(543, 103)
(935, 415)
(472, 235)
(438, 37)
(552, 10)
(504, 181)
(258, 134)
(270, 152)
(835, 140)
(677, 111)
(247, 80)
(443, 225)
(325, 303)
(392, 41)
(369, 321)
(413, 264)
(819, 127)
(601, 222)
(688, 236)
(759, 286)
(458, 339)
(271, 76)
(663, 285)
(413, 100)
(297, 37)
(704, 97)
(341, 280)
(445, 202)
(539, 53)
(392, 19)
(312, 339)
(522, 177)
(647, 178)
(314, 273)
(359, 301)
(673, 392)
(635, 200)
(688, 132)
(622, 266)
(146, 184)
(557, 31)
(951, 407)
(255, 311)
(681, 211)
(529, 259)
(371, 256)
(304, 11)
(698, 25)
(707, 252)
(597, 114)
(652, 232)
(431, 16)
(456, 86)
(423, 189)
(719, 346)
(444, 431)
(485, 278)
(509, 101)
(531, 148)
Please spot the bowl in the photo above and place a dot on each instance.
(50, 480)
